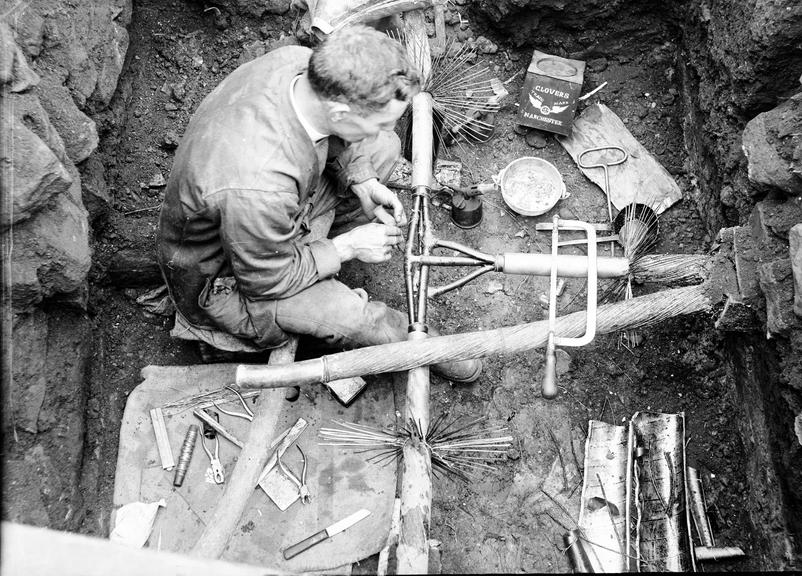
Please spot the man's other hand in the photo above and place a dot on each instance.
(380, 203)
(370, 243)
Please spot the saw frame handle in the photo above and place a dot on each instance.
(549, 388)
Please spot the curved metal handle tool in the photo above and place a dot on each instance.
(604, 166)
(549, 384)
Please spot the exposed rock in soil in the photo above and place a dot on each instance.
(14, 68)
(76, 129)
(741, 59)
(37, 173)
(42, 467)
(795, 249)
(80, 45)
(773, 147)
(95, 193)
(51, 251)
(51, 237)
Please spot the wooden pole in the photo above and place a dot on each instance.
(412, 551)
(245, 476)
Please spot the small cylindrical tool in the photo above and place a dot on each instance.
(185, 456)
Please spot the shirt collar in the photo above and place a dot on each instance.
(314, 135)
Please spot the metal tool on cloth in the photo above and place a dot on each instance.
(604, 166)
(303, 489)
(247, 415)
(325, 534)
(549, 384)
(218, 472)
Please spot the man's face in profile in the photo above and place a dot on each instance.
(353, 126)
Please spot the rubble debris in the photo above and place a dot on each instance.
(169, 140)
(494, 286)
(157, 180)
(485, 46)
(536, 139)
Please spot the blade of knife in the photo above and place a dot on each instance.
(346, 523)
(325, 534)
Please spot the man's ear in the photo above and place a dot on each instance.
(337, 110)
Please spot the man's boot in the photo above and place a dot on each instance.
(463, 372)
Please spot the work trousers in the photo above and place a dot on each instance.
(330, 310)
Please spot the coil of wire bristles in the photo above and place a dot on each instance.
(461, 447)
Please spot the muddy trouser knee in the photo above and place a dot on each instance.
(343, 317)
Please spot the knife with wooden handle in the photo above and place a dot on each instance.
(325, 534)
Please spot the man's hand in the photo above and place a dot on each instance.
(377, 199)
(370, 243)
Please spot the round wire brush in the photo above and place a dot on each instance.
(462, 91)
(460, 447)
(637, 228)
(638, 231)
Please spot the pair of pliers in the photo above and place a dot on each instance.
(248, 414)
(218, 472)
(303, 490)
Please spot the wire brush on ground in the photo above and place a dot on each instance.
(457, 447)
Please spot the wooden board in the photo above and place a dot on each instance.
(340, 482)
(641, 178)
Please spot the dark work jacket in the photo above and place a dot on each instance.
(238, 188)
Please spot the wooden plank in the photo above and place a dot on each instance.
(640, 178)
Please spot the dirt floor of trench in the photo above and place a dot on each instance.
(503, 522)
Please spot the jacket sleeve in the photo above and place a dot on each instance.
(259, 235)
(350, 163)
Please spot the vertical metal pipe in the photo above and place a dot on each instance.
(422, 174)
(416, 481)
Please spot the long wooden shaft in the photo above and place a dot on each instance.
(394, 357)
(252, 459)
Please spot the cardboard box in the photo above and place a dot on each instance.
(550, 93)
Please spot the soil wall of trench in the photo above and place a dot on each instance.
(733, 61)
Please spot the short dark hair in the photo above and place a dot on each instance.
(362, 67)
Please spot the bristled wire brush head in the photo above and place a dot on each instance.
(460, 447)
(637, 228)
(461, 88)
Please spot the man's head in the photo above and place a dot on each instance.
(364, 79)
